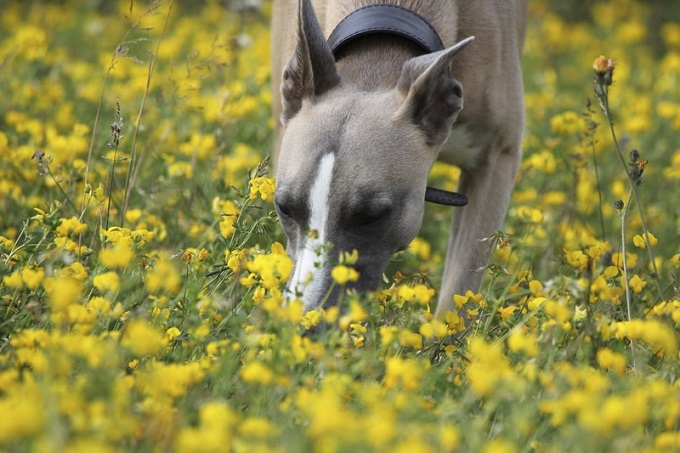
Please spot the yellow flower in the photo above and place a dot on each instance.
(407, 373)
(489, 368)
(28, 412)
(668, 441)
(72, 225)
(577, 259)
(568, 124)
(142, 339)
(119, 255)
(506, 312)
(5, 243)
(637, 284)
(99, 305)
(273, 268)
(13, 280)
(62, 292)
(256, 373)
(163, 276)
(410, 339)
(106, 282)
(659, 336)
(420, 248)
(32, 277)
(227, 212)
(419, 293)
(532, 215)
(520, 340)
(263, 188)
(356, 314)
(258, 428)
(214, 432)
(434, 329)
(349, 258)
(498, 446)
(640, 242)
(75, 270)
(610, 360)
(172, 333)
(343, 274)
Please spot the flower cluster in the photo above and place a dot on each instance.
(143, 276)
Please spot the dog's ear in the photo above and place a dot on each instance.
(432, 98)
(311, 70)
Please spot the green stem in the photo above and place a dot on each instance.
(603, 95)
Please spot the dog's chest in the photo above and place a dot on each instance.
(462, 148)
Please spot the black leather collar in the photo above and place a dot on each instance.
(385, 19)
(394, 20)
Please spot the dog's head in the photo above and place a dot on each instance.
(353, 166)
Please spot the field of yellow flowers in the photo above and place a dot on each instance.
(141, 263)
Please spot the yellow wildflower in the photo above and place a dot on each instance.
(71, 225)
(32, 278)
(62, 292)
(520, 340)
(434, 329)
(410, 339)
(258, 428)
(119, 255)
(532, 215)
(420, 248)
(13, 280)
(142, 339)
(640, 242)
(659, 336)
(343, 274)
(488, 369)
(356, 314)
(227, 212)
(263, 188)
(610, 360)
(404, 372)
(506, 312)
(215, 430)
(163, 276)
(668, 441)
(637, 284)
(256, 373)
(172, 333)
(106, 282)
(498, 446)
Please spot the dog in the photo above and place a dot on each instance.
(369, 94)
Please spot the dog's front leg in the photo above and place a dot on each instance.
(488, 189)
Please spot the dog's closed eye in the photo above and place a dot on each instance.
(371, 217)
(287, 211)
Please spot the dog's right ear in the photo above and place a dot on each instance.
(311, 70)
(432, 98)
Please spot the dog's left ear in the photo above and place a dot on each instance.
(432, 98)
(311, 70)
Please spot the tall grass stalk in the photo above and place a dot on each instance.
(121, 51)
(133, 172)
(603, 80)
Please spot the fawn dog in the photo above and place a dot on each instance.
(369, 94)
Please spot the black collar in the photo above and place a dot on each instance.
(386, 19)
(394, 20)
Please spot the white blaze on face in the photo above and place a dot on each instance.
(310, 253)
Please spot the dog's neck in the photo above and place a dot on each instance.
(372, 43)
(374, 62)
